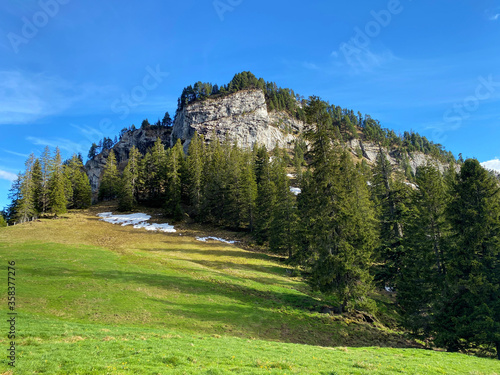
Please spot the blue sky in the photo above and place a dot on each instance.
(72, 72)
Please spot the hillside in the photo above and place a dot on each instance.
(97, 298)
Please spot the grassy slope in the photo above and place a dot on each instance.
(98, 298)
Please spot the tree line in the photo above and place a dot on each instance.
(48, 186)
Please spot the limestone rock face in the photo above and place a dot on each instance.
(241, 117)
(370, 151)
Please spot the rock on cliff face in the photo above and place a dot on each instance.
(370, 152)
(241, 117)
(141, 138)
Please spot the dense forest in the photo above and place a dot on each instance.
(351, 229)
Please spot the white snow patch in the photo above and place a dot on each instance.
(295, 190)
(138, 220)
(290, 175)
(389, 289)
(204, 239)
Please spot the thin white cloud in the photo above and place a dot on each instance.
(4, 175)
(495, 17)
(27, 97)
(16, 153)
(492, 164)
(63, 144)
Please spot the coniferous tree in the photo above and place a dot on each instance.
(468, 311)
(110, 182)
(338, 217)
(57, 186)
(421, 279)
(26, 210)
(266, 196)
(213, 193)
(79, 183)
(43, 186)
(3, 222)
(38, 184)
(195, 170)
(129, 187)
(283, 223)
(175, 166)
(248, 191)
(391, 198)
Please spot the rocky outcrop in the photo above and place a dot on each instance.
(416, 159)
(241, 117)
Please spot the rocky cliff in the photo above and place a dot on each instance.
(241, 117)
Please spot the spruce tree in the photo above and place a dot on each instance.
(391, 198)
(420, 281)
(337, 217)
(195, 165)
(110, 181)
(283, 223)
(130, 182)
(266, 196)
(26, 210)
(468, 310)
(57, 186)
(3, 222)
(174, 168)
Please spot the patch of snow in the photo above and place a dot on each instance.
(204, 239)
(131, 219)
(389, 289)
(290, 175)
(138, 220)
(295, 190)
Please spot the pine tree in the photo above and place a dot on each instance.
(57, 186)
(468, 311)
(337, 217)
(266, 196)
(195, 169)
(214, 192)
(110, 182)
(38, 185)
(43, 186)
(421, 279)
(81, 196)
(174, 162)
(283, 223)
(391, 198)
(25, 210)
(3, 222)
(130, 182)
(248, 191)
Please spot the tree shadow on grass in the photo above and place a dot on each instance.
(271, 315)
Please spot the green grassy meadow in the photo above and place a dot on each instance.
(97, 298)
